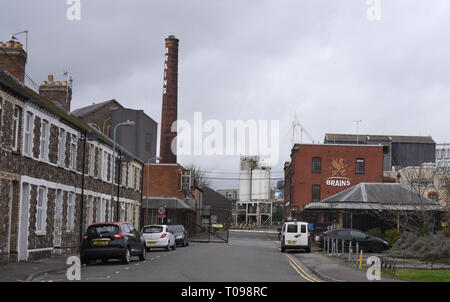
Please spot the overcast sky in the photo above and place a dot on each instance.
(252, 60)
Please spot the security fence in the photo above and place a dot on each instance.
(211, 225)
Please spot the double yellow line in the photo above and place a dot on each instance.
(300, 271)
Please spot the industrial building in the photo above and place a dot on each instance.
(443, 156)
(140, 140)
(254, 205)
(317, 171)
(398, 151)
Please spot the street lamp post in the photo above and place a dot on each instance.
(113, 171)
(148, 184)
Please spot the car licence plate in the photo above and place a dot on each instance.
(292, 242)
(100, 242)
(151, 242)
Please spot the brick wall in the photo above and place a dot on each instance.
(303, 178)
(164, 181)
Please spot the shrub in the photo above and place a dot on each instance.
(375, 232)
(391, 236)
(427, 248)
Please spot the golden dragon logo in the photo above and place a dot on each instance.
(338, 167)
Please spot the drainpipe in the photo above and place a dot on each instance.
(82, 187)
(9, 222)
(118, 184)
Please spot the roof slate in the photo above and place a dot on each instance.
(385, 196)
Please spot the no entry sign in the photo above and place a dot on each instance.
(162, 212)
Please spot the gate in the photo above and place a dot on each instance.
(210, 225)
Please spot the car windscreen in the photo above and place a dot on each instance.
(153, 229)
(292, 228)
(101, 229)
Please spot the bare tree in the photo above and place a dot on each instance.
(419, 214)
(200, 179)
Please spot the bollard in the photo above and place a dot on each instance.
(360, 260)
(350, 251)
(328, 245)
(336, 243)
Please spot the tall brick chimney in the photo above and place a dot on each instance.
(170, 99)
(13, 59)
(59, 93)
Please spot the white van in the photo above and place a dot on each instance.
(295, 235)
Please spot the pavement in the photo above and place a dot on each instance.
(332, 269)
(27, 271)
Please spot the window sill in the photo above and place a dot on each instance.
(40, 233)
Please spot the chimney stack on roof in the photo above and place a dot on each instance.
(13, 59)
(59, 93)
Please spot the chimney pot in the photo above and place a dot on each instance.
(50, 78)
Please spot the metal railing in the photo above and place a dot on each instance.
(348, 252)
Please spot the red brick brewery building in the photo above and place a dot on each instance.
(317, 171)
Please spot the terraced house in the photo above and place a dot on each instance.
(55, 170)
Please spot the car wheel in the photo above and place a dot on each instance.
(104, 261)
(168, 246)
(143, 254)
(174, 246)
(127, 256)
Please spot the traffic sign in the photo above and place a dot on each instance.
(161, 212)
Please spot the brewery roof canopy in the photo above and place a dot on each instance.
(377, 196)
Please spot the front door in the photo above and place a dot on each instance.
(23, 222)
(58, 221)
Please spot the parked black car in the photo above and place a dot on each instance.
(367, 243)
(112, 240)
(180, 233)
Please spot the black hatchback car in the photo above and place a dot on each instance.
(112, 240)
(366, 242)
(180, 234)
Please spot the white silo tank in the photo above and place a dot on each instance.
(244, 180)
(260, 184)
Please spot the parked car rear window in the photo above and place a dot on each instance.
(303, 228)
(97, 229)
(292, 228)
(153, 229)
